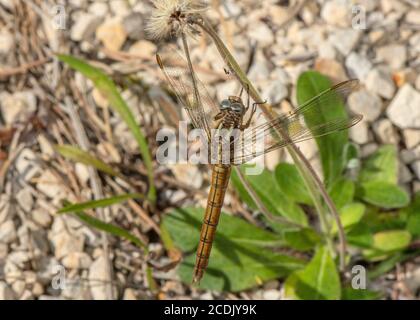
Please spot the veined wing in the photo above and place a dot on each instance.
(302, 124)
(192, 94)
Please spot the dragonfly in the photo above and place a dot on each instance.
(232, 114)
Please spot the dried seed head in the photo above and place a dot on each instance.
(171, 17)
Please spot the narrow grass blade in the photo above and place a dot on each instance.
(109, 90)
(78, 155)
(100, 203)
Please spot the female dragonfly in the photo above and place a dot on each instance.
(228, 127)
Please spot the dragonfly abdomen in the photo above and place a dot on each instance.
(219, 182)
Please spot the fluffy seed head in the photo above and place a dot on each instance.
(171, 17)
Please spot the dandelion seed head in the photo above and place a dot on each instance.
(171, 17)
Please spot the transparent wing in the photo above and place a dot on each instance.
(192, 94)
(306, 122)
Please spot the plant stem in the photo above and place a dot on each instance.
(312, 182)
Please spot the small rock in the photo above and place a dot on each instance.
(407, 75)
(27, 165)
(345, 40)
(119, 7)
(385, 132)
(17, 106)
(98, 8)
(82, 172)
(368, 149)
(408, 155)
(187, 174)
(404, 110)
(77, 260)
(365, 103)
(404, 175)
(112, 34)
(84, 26)
(42, 217)
(261, 33)
(8, 232)
(271, 295)
(6, 293)
(411, 137)
(394, 55)
(50, 186)
(25, 200)
(129, 294)
(337, 13)
(380, 83)
(143, 48)
(416, 168)
(19, 287)
(275, 92)
(7, 42)
(98, 273)
(4, 250)
(413, 17)
(360, 133)
(65, 242)
(358, 65)
(331, 68)
(134, 26)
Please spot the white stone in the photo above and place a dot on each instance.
(98, 273)
(404, 110)
(77, 260)
(385, 132)
(394, 55)
(17, 106)
(411, 137)
(272, 294)
(262, 33)
(380, 83)
(413, 17)
(7, 42)
(358, 65)
(50, 186)
(27, 165)
(275, 92)
(8, 232)
(98, 8)
(112, 34)
(416, 168)
(134, 26)
(337, 12)
(6, 293)
(84, 26)
(25, 200)
(365, 103)
(42, 217)
(345, 40)
(404, 175)
(360, 133)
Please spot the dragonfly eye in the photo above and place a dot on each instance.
(225, 105)
(237, 107)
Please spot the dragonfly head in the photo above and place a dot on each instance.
(233, 104)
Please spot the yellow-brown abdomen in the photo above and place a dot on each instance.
(219, 182)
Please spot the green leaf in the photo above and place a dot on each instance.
(413, 214)
(110, 228)
(342, 192)
(350, 215)
(108, 89)
(100, 203)
(291, 183)
(362, 294)
(383, 194)
(319, 280)
(240, 257)
(78, 155)
(360, 236)
(274, 200)
(387, 242)
(331, 147)
(381, 166)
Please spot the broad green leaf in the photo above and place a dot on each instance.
(413, 216)
(350, 215)
(108, 89)
(331, 147)
(78, 155)
(274, 200)
(304, 239)
(291, 183)
(360, 294)
(381, 166)
(383, 194)
(240, 257)
(100, 203)
(342, 192)
(319, 280)
(110, 228)
(387, 242)
(360, 236)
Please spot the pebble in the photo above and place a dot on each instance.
(380, 82)
(331, 68)
(6, 293)
(112, 34)
(25, 200)
(416, 168)
(411, 137)
(385, 132)
(49, 184)
(404, 175)
(345, 40)
(98, 8)
(262, 34)
(84, 26)
(394, 55)
(65, 243)
(413, 17)
(360, 133)
(404, 110)
(98, 273)
(365, 103)
(8, 232)
(129, 294)
(7, 42)
(134, 26)
(275, 92)
(17, 106)
(337, 13)
(358, 65)
(77, 260)
(271, 294)
(143, 48)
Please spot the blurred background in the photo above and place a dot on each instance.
(43, 102)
